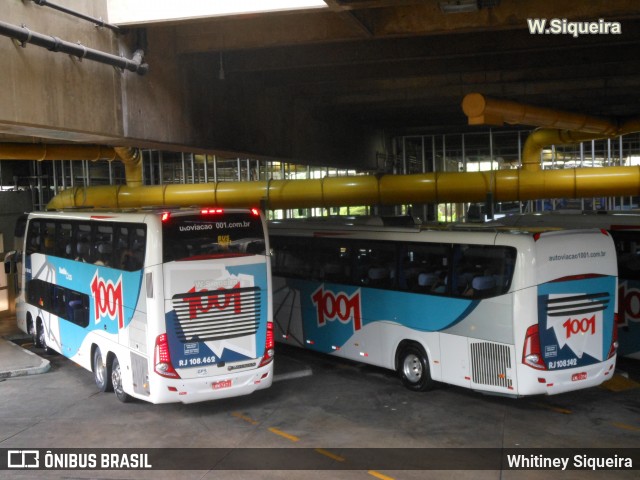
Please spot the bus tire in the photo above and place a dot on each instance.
(33, 331)
(116, 380)
(41, 338)
(413, 368)
(101, 372)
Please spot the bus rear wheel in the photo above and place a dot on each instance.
(100, 371)
(413, 367)
(116, 379)
(31, 328)
(41, 338)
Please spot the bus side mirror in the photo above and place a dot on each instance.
(10, 261)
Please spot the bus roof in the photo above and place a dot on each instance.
(130, 214)
(374, 224)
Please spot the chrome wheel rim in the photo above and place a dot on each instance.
(412, 368)
(117, 380)
(100, 370)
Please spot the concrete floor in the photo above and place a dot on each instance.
(341, 405)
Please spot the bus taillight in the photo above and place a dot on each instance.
(255, 212)
(614, 337)
(269, 346)
(211, 211)
(162, 358)
(531, 354)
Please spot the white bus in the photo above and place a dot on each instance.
(163, 306)
(502, 312)
(624, 228)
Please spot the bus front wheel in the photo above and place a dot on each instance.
(413, 367)
(116, 379)
(100, 371)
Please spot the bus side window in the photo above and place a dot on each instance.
(63, 241)
(34, 243)
(139, 248)
(376, 265)
(331, 260)
(82, 239)
(49, 238)
(424, 268)
(131, 248)
(103, 245)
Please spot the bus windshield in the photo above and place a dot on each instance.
(197, 237)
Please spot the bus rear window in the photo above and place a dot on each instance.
(196, 237)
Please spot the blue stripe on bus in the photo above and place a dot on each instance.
(79, 277)
(332, 313)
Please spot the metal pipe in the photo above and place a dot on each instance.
(97, 21)
(54, 44)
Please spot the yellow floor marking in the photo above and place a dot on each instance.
(332, 456)
(624, 426)
(245, 418)
(619, 383)
(553, 409)
(286, 435)
(379, 475)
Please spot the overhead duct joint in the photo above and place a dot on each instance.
(543, 137)
(132, 159)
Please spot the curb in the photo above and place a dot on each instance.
(41, 365)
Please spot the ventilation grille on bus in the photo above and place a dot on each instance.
(565, 305)
(217, 315)
(140, 371)
(491, 364)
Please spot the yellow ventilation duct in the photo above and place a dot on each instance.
(506, 185)
(527, 183)
(41, 151)
(131, 157)
(557, 127)
(490, 111)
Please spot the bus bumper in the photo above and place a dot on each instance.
(561, 381)
(194, 390)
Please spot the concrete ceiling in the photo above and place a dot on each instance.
(404, 66)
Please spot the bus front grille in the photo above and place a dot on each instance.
(491, 364)
(217, 314)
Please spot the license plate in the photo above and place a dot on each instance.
(221, 384)
(579, 376)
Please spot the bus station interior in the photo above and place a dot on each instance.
(447, 111)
